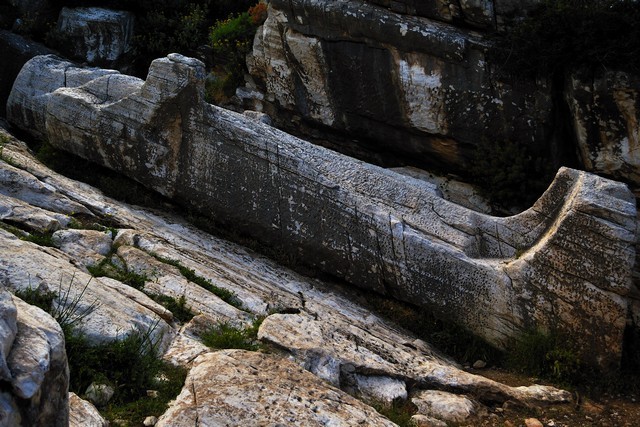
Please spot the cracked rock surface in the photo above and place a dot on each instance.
(327, 349)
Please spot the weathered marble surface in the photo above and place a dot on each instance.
(341, 341)
(96, 35)
(564, 265)
(422, 89)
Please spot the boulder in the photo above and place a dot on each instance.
(97, 36)
(562, 266)
(445, 406)
(236, 387)
(37, 362)
(84, 414)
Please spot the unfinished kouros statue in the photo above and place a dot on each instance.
(564, 265)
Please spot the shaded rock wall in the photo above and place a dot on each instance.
(564, 265)
(417, 87)
(415, 80)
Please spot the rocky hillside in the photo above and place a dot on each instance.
(319, 348)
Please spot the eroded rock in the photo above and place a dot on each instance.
(84, 414)
(564, 264)
(97, 35)
(445, 406)
(231, 387)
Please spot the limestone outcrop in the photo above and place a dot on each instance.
(97, 36)
(417, 87)
(563, 266)
(33, 363)
(334, 337)
(416, 80)
(606, 112)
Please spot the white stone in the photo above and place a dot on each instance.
(84, 414)
(99, 394)
(445, 406)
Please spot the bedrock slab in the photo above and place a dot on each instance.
(563, 266)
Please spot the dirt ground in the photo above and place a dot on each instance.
(585, 411)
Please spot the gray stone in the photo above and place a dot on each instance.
(445, 406)
(605, 112)
(8, 330)
(150, 421)
(97, 35)
(372, 227)
(20, 50)
(38, 365)
(332, 336)
(84, 414)
(233, 387)
(99, 394)
(89, 247)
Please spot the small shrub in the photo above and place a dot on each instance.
(543, 355)
(225, 335)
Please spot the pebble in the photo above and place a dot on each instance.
(479, 364)
(150, 421)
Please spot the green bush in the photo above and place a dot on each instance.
(225, 335)
(569, 34)
(544, 355)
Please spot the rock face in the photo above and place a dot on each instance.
(316, 327)
(562, 266)
(98, 36)
(34, 363)
(233, 386)
(407, 84)
(606, 113)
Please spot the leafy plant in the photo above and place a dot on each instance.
(231, 40)
(225, 335)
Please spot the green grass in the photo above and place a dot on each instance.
(398, 412)
(41, 299)
(176, 306)
(42, 239)
(225, 335)
(227, 296)
(107, 269)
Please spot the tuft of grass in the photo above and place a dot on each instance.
(107, 269)
(400, 412)
(42, 299)
(42, 239)
(224, 335)
(176, 306)
(226, 295)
